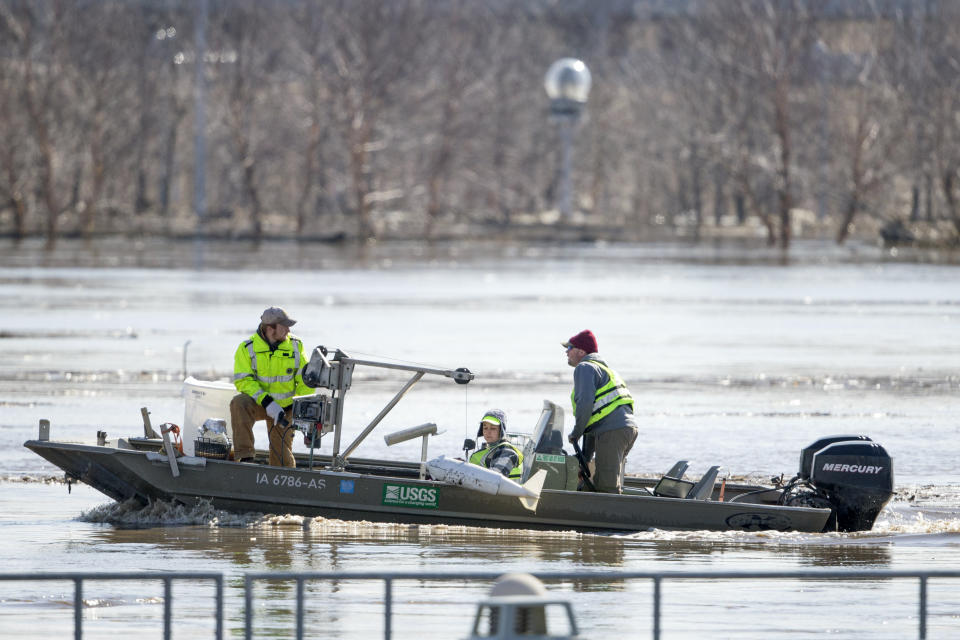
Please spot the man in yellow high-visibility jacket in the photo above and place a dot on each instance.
(603, 412)
(267, 371)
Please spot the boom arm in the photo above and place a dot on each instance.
(336, 374)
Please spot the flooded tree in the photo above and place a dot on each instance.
(753, 75)
(249, 54)
(427, 118)
(16, 154)
(40, 35)
(373, 47)
(309, 106)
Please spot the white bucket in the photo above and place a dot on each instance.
(202, 400)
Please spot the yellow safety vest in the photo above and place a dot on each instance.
(258, 371)
(479, 456)
(608, 397)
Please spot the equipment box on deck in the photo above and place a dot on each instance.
(206, 448)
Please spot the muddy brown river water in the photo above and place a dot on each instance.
(734, 360)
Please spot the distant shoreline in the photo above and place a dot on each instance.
(218, 251)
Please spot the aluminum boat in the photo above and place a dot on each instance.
(843, 483)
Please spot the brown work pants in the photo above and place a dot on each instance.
(611, 452)
(244, 412)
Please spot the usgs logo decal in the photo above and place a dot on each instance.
(409, 496)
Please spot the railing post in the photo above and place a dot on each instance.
(167, 608)
(247, 607)
(299, 608)
(388, 607)
(656, 607)
(219, 596)
(78, 608)
(923, 607)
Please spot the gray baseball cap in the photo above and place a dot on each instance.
(276, 315)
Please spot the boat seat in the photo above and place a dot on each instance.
(674, 487)
(677, 470)
(704, 487)
(672, 484)
(668, 487)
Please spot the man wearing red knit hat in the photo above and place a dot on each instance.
(603, 412)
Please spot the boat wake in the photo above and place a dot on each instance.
(33, 479)
(163, 513)
(898, 520)
(131, 513)
(896, 524)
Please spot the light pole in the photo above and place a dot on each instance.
(568, 84)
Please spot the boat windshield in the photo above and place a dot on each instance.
(548, 434)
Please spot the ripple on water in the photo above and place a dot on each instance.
(898, 522)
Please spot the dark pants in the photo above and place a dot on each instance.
(611, 449)
(244, 412)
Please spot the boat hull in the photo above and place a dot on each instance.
(146, 476)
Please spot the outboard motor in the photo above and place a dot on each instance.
(852, 475)
(806, 455)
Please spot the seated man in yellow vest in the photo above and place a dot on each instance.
(497, 453)
(267, 371)
(602, 410)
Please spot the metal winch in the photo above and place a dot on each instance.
(314, 416)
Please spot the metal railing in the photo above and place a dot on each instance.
(656, 577)
(389, 578)
(79, 577)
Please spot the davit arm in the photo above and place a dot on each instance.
(336, 374)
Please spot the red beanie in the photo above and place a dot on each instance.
(584, 340)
